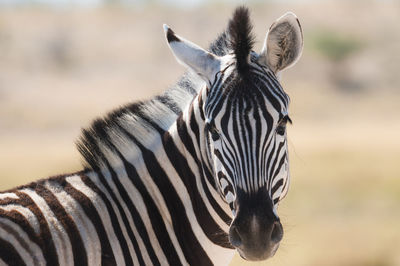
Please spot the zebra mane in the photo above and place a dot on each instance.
(146, 119)
(241, 38)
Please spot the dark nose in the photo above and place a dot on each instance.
(277, 232)
(256, 238)
(234, 236)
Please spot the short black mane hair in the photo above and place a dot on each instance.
(241, 37)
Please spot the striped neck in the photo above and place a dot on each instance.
(184, 145)
(170, 178)
(189, 135)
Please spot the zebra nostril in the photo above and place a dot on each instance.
(234, 237)
(276, 232)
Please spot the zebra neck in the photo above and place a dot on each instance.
(185, 146)
(163, 184)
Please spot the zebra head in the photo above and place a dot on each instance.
(244, 112)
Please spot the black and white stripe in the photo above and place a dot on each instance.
(162, 175)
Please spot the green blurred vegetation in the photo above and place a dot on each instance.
(335, 46)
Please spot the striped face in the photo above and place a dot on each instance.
(246, 119)
(246, 112)
(246, 116)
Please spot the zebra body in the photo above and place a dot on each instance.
(163, 186)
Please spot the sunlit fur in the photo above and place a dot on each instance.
(246, 111)
(159, 173)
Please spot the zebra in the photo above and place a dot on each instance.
(188, 177)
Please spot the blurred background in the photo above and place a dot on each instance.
(64, 62)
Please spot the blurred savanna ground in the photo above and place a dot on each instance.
(62, 66)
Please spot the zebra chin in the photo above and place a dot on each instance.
(257, 256)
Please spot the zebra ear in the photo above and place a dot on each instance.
(204, 63)
(283, 44)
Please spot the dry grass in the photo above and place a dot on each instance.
(61, 68)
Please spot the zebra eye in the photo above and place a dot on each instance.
(281, 128)
(213, 131)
